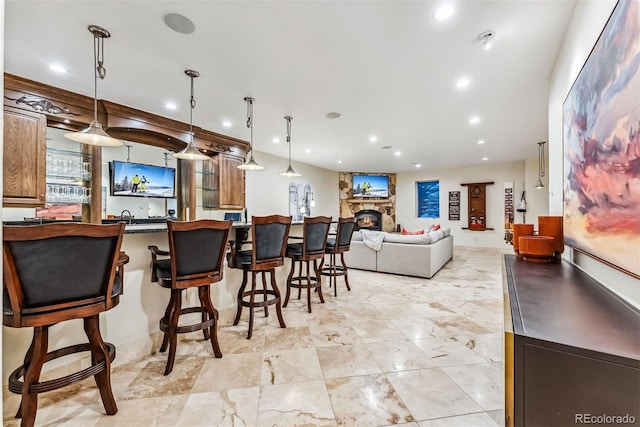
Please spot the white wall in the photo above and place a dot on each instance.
(268, 193)
(589, 18)
(450, 180)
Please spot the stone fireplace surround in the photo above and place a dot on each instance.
(349, 205)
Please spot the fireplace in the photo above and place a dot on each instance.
(369, 219)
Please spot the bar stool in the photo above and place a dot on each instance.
(314, 239)
(339, 245)
(268, 243)
(53, 273)
(196, 251)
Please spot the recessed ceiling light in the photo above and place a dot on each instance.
(397, 153)
(340, 161)
(443, 12)
(418, 165)
(57, 68)
(67, 121)
(170, 106)
(333, 115)
(463, 82)
(178, 23)
(226, 124)
(307, 150)
(485, 158)
(373, 138)
(276, 140)
(475, 119)
(386, 147)
(481, 141)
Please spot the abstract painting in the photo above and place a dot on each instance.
(601, 142)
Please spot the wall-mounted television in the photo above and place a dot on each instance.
(376, 186)
(140, 180)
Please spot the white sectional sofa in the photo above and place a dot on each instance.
(420, 255)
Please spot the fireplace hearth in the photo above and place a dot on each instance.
(368, 219)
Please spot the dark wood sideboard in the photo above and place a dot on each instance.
(572, 348)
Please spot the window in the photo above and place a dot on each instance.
(428, 199)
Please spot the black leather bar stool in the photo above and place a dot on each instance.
(314, 238)
(338, 245)
(268, 243)
(53, 273)
(196, 257)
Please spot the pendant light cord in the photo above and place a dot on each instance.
(541, 159)
(192, 104)
(96, 49)
(250, 119)
(288, 118)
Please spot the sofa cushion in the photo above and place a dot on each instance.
(357, 236)
(414, 239)
(436, 235)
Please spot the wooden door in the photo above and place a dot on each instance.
(231, 182)
(24, 158)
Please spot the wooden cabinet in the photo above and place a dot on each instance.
(231, 182)
(572, 347)
(24, 158)
(221, 183)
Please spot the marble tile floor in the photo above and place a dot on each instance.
(394, 351)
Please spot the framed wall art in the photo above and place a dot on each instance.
(601, 146)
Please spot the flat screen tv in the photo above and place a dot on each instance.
(376, 186)
(139, 180)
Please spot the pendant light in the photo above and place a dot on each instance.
(250, 164)
(290, 172)
(94, 134)
(541, 167)
(190, 152)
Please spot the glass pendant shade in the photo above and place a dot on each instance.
(94, 134)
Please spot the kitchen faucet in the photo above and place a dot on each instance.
(127, 211)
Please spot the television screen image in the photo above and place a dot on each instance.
(139, 180)
(371, 186)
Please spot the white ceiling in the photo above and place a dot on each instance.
(387, 66)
